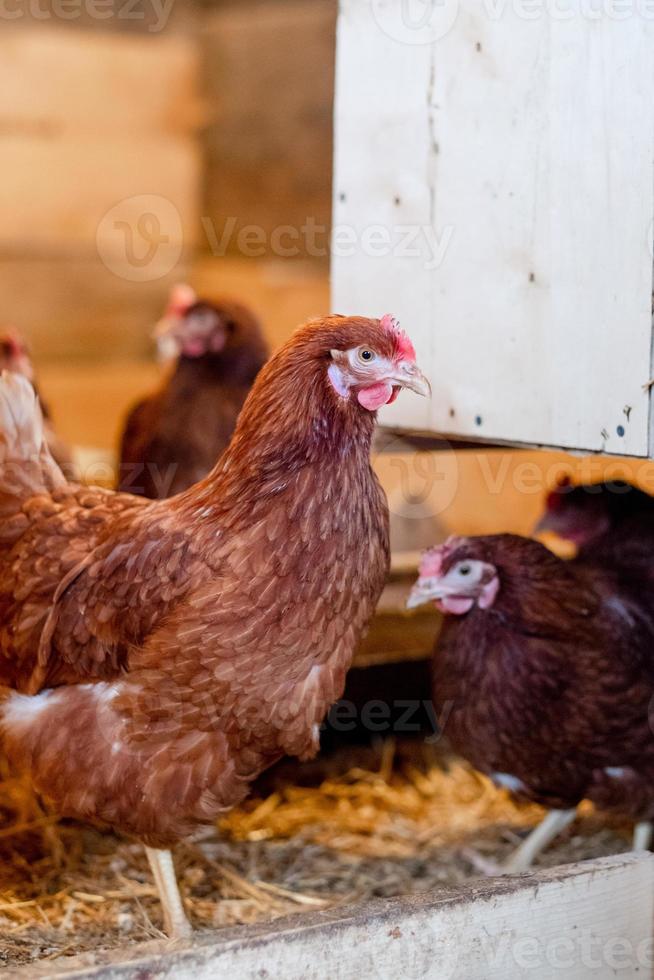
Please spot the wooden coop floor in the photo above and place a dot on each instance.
(390, 820)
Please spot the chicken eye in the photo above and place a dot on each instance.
(366, 356)
(465, 569)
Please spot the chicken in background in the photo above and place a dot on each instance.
(610, 522)
(544, 676)
(174, 437)
(15, 357)
(156, 656)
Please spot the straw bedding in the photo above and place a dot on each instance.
(385, 820)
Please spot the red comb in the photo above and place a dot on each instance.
(432, 561)
(403, 346)
(11, 343)
(182, 298)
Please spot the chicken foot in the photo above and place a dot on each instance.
(524, 856)
(176, 924)
(553, 824)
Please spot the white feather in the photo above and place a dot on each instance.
(21, 710)
(615, 772)
(507, 781)
(26, 465)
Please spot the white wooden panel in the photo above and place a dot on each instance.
(54, 83)
(592, 920)
(533, 137)
(382, 161)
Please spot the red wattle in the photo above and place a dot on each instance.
(376, 395)
(456, 605)
(194, 347)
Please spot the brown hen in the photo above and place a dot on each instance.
(545, 673)
(174, 437)
(610, 522)
(166, 652)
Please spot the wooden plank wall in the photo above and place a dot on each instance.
(94, 112)
(270, 77)
(101, 162)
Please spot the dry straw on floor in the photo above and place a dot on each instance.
(357, 824)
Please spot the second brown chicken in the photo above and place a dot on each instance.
(544, 677)
(173, 437)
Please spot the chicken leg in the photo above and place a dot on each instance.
(524, 856)
(643, 833)
(547, 830)
(176, 924)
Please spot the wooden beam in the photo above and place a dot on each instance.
(586, 920)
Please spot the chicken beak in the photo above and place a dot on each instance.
(421, 593)
(162, 328)
(408, 375)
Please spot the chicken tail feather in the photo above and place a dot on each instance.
(26, 466)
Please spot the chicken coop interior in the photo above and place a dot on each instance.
(179, 174)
